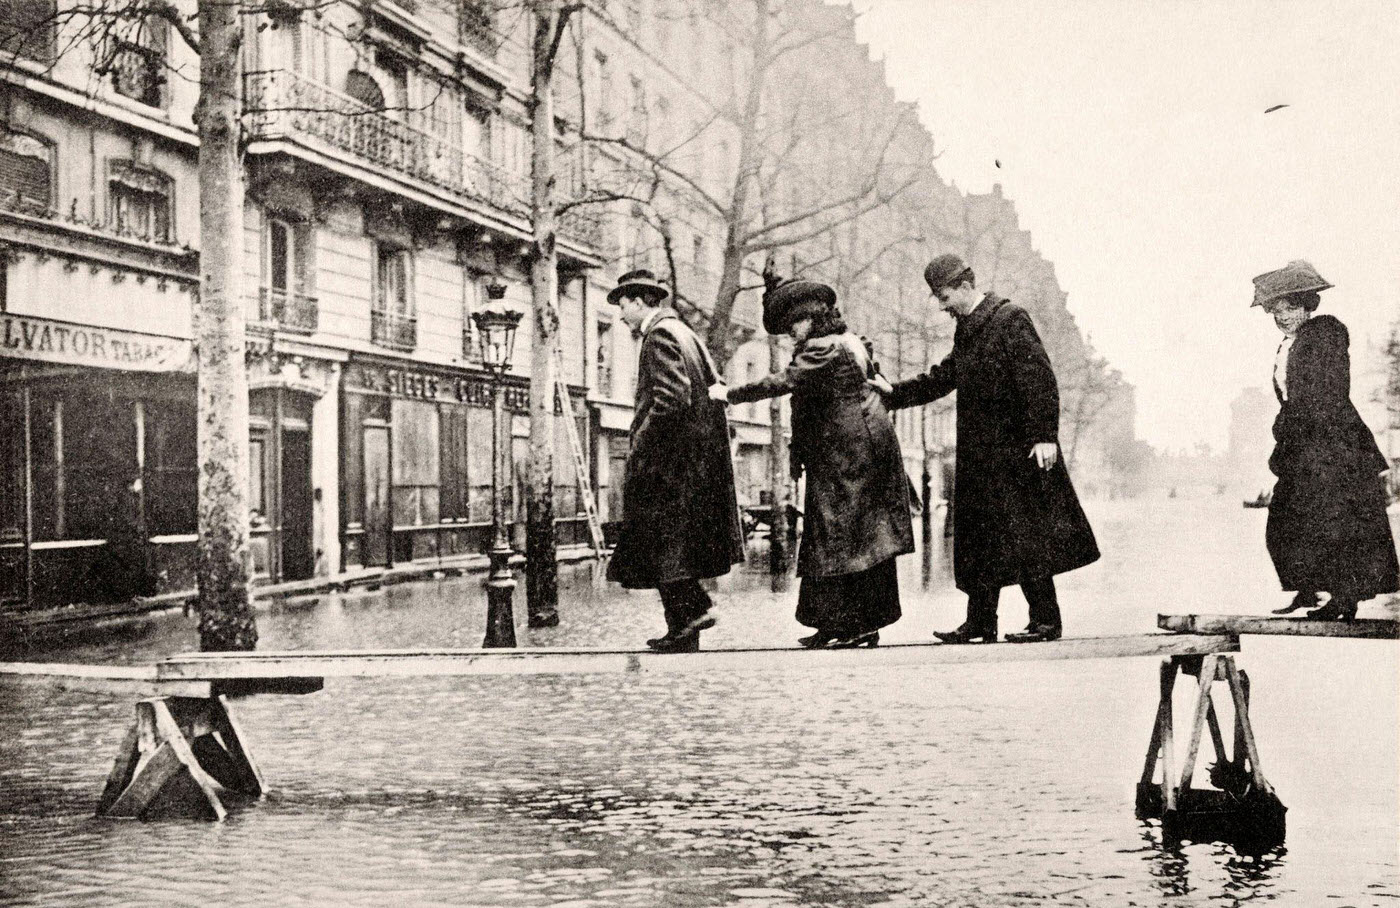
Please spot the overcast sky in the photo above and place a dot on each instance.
(1133, 139)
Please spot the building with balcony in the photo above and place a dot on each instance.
(387, 158)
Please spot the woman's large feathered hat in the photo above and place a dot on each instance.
(789, 302)
(1296, 277)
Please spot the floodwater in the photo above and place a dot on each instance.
(977, 785)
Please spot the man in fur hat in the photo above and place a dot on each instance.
(680, 516)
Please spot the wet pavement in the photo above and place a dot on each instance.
(985, 785)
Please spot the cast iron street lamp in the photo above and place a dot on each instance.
(495, 330)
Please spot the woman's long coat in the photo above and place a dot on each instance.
(1327, 527)
(680, 516)
(856, 509)
(1012, 520)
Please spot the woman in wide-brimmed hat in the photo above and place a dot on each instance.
(1327, 528)
(856, 510)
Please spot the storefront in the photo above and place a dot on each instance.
(415, 463)
(97, 463)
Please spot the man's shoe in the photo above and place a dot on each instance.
(677, 643)
(968, 634)
(1036, 633)
(704, 622)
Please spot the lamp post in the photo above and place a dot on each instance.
(495, 329)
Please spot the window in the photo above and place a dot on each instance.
(284, 296)
(605, 359)
(26, 173)
(27, 29)
(477, 25)
(637, 116)
(140, 203)
(605, 91)
(135, 59)
(391, 318)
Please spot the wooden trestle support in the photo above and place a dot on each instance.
(1242, 809)
(181, 757)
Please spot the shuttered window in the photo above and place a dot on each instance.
(27, 29)
(26, 173)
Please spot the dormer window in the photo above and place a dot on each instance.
(136, 60)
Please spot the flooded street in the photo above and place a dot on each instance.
(980, 785)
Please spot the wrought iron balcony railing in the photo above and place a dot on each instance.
(282, 104)
(398, 332)
(278, 309)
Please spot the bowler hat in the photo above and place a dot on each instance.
(639, 283)
(1296, 277)
(792, 301)
(942, 271)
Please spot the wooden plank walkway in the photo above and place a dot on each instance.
(554, 661)
(207, 674)
(1362, 628)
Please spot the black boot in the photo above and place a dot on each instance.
(969, 633)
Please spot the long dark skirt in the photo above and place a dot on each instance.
(850, 604)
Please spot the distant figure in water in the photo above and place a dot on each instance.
(1327, 529)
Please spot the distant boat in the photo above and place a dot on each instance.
(1262, 501)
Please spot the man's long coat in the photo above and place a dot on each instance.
(1012, 520)
(680, 516)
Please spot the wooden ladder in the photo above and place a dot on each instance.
(585, 484)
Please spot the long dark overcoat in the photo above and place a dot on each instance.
(1327, 527)
(1012, 521)
(680, 516)
(856, 508)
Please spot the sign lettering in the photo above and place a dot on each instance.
(45, 340)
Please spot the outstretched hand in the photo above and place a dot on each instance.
(881, 384)
(719, 392)
(1046, 453)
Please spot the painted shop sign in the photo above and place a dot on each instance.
(50, 341)
(417, 384)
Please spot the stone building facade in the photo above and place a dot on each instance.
(387, 186)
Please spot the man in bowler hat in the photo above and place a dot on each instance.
(680, 516)
(1017, 518)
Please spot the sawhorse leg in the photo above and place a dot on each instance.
(181, 757)
(1243, 804)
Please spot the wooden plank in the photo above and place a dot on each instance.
(1198, 720)
(1167, 682)
(219, 667)
(1362, 628)
(138, 681)
(1237, 691)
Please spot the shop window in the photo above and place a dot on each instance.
(28, 29)
(392, 323)
(135, 57)
(479, 450)
(172, 472)
(11, 467)
(140, 202)
(26, 173)
(416, 463)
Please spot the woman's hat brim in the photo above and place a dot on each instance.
(639, 287)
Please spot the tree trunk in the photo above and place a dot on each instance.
(541, 542)
(225, 611)
(779, 556)
(720, 337)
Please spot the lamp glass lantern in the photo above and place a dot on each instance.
(495, 331)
